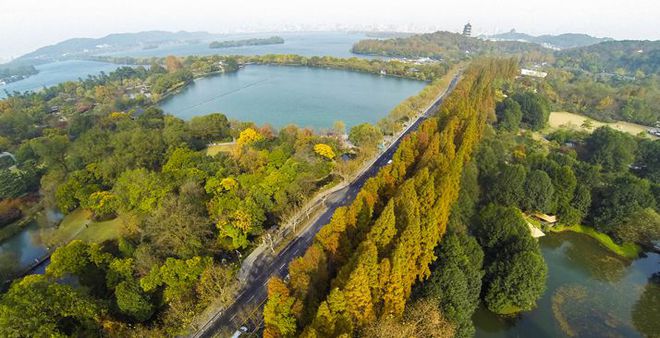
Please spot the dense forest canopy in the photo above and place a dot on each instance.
(359, 272)
(186, 218)
(611, 80)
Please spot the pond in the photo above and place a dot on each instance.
(590, 293)
(281, 95)
(28, 245)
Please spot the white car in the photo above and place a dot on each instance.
(389, 162)
(239, 332)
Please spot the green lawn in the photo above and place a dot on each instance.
(223, 147)
(73, 227)
(627, 250)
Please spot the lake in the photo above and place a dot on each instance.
(590, 293)
(281, 95)
(303, 43)
(51, 74)
(336, 44)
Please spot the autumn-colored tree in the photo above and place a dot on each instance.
(324, 150)
(278, 317)
(172, 64)
(248, 137)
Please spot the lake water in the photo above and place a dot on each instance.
(590, 293)
(301, 43)
(51, 74)
(304, 43)
(281, 95)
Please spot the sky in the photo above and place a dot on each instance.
(26, 25)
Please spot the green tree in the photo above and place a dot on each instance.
(641, 227)
(612, 149)
(615, 203)
(648, 159)
(509, 115)
(12, 184)
(177, 228)
(365, 135)
(38, 307)
(517, 282)
(208, 128)
(455, 283)
(535, 109)
(539, 192)
(508, 186)
(132, 301)
(141, 190)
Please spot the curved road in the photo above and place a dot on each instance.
(254, 293)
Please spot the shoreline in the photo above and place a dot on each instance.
(626, 250)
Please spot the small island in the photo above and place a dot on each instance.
(273, 40)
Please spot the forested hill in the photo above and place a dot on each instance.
(561, 41)
(444, 45)
(87, 46)
(610, 56)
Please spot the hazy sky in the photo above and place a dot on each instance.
(28, 24)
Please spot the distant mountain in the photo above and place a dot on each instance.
(561, 41)
(81, 47)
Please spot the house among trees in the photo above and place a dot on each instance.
(549, 220)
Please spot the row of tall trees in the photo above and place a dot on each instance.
(363, 264)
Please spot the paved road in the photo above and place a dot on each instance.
(254, 293)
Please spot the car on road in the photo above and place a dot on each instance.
(389, 162)
(239, 332)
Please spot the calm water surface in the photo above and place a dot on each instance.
(304, 43)
(281, 95)
(301, 43)
(590, 293)
(51, 74)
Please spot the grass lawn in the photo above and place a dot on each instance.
(627, 250)
(222, 147)
(574, 121)
(73, 227)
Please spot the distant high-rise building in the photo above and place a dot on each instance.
(467, 29)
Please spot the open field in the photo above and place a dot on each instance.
(574, 121)
(220, 147)
(73, 227)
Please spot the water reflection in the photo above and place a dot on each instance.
(590, 293)
(646, 312)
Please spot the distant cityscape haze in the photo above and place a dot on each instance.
(29, 24)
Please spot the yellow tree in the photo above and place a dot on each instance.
(324, 150)
(249, 136)
(277, 312)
